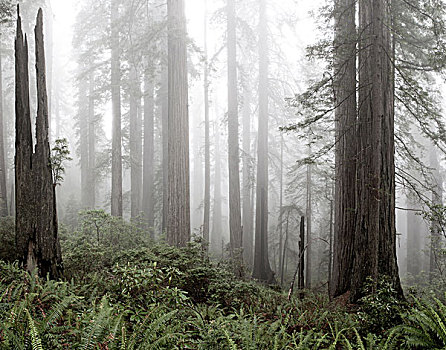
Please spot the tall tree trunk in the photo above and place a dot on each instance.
(178, 224)
(197, 194)
(375, 237)
(345, 149)
(235, 219)
(116, 191)
(207, 152)
(3, 170)
(330, 247)
(217, 210)
(24, 198)
(164, 126)
(91, 143)
(414, 231)
(301, 254)
(149, 150)
(83, 142)
(135, 144)
(285, 247)
(309, 250)
(49, 259)
(388, 264)
(281, 210)
(49, 66)
(36, 217)
(262, 270)
(437, 195)
(248, 237)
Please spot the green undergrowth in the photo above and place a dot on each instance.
(147, 295)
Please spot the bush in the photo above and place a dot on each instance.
(381, 310)
(144, 295)
(8, 251)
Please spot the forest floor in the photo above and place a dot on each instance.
(126, 292)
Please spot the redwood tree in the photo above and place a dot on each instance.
(148, 164)
(262, 269)
(235, 219)
(207, 152)
(116, 190)
(178, 218)
(3, 191)
(375, 236)
(345, 158)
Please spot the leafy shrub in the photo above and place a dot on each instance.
(8, 250)
(381, 310)
(144, 295)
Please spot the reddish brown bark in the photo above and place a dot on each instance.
(345, 119)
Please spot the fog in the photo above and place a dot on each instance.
(253, 126)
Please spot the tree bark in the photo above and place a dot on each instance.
(91, 143)
(49, 66)
(164, 126)
(235, 219)
(248, 237)
(281, 211)
(330, 248)
(300, 269)
(135, 144)
(197, 190)
(345, 150)
(216, 237)
(301, 283)
(285, 247)
(36, 216)
(24, 197)
(309, 250)
(149, 150)
(3, 170)
(375, 237)
(207, 152)
(83, 142)
(116, 191)
(178, 224)
(262, 270)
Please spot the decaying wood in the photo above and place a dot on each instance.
(36, 216)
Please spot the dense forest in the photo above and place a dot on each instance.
(222, 174)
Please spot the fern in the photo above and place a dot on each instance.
(123, 339)
(231, 343)
(98, 326)
(425, 327)
(369, 343)
(56, 313)
(154, 332)
(307, 341)
(35, 339)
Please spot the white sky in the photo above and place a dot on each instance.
(64, 16)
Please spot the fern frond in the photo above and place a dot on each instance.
(56, 313)
(231, 343)
(123, 339)
(98, 326)
(36, 342)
